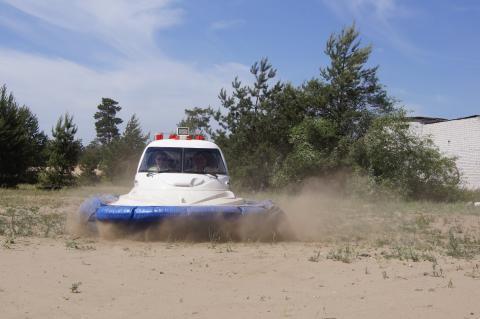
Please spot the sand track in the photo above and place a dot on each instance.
(125, 279)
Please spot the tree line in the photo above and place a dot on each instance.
(341, 125)
(29, 156)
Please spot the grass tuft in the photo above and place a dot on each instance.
(346, 254)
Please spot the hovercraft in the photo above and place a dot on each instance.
(185, 177)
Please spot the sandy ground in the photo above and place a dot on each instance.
(399, 255)
(132, 279)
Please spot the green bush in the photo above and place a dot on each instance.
(89, 164)
(317, 150)
(392, 156)
(63, 153)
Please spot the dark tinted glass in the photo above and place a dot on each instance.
(195, 160)
(203, 161)
(162, 159)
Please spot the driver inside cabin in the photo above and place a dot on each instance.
(202, 162)
(199, 162)
(161, 162)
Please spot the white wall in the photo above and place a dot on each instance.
(459, 138)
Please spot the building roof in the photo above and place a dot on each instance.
(432, 120)
(464, 118)
(425, 120)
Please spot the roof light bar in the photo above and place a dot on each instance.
(182, 136)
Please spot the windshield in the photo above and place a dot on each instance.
(162, 159)
(186, 160)
(203, 161)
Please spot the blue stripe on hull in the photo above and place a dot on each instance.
(151, 213)
(115, 212)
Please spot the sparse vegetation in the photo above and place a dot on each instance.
(437, 271)
(474, 273)
(462, 246)
(410, 231)
(409, 253)
(28, 221)
(346, 254)
(315, 258)
(75, 244)
(75, 287)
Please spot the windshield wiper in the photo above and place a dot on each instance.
(202, 173)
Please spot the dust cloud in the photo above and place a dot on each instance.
(317, 212)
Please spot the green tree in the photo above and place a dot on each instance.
(353, 95)
(120, 157)
(106, 123)
(339, 108)
(22, 143)
(133, 137)
(315, 152)
(248, 126)
(63, 154)
(342, 122)
(36, 154)
(198, 120)
(90, 162)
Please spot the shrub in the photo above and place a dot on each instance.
(394, 157)
(63, 151)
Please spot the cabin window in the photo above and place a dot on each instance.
(186, 160)
(162, 160)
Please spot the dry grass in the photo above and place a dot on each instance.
(413, 231)
(27, 211)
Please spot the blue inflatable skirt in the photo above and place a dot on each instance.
(96, 209)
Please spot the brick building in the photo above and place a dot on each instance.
(459, 138)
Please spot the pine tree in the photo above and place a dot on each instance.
(133, 137)
(120, 157)
(353, 94)
(64, 151)
(107, 123)
(198, 120)
(36, 153)
(21, 143)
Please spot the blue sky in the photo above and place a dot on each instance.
(158, 57)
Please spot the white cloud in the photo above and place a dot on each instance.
(381, 9)
(377, 18)
(127, 25)
(143, 79)
(157, 90)
(226, 24)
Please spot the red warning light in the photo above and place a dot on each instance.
(158, 136)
